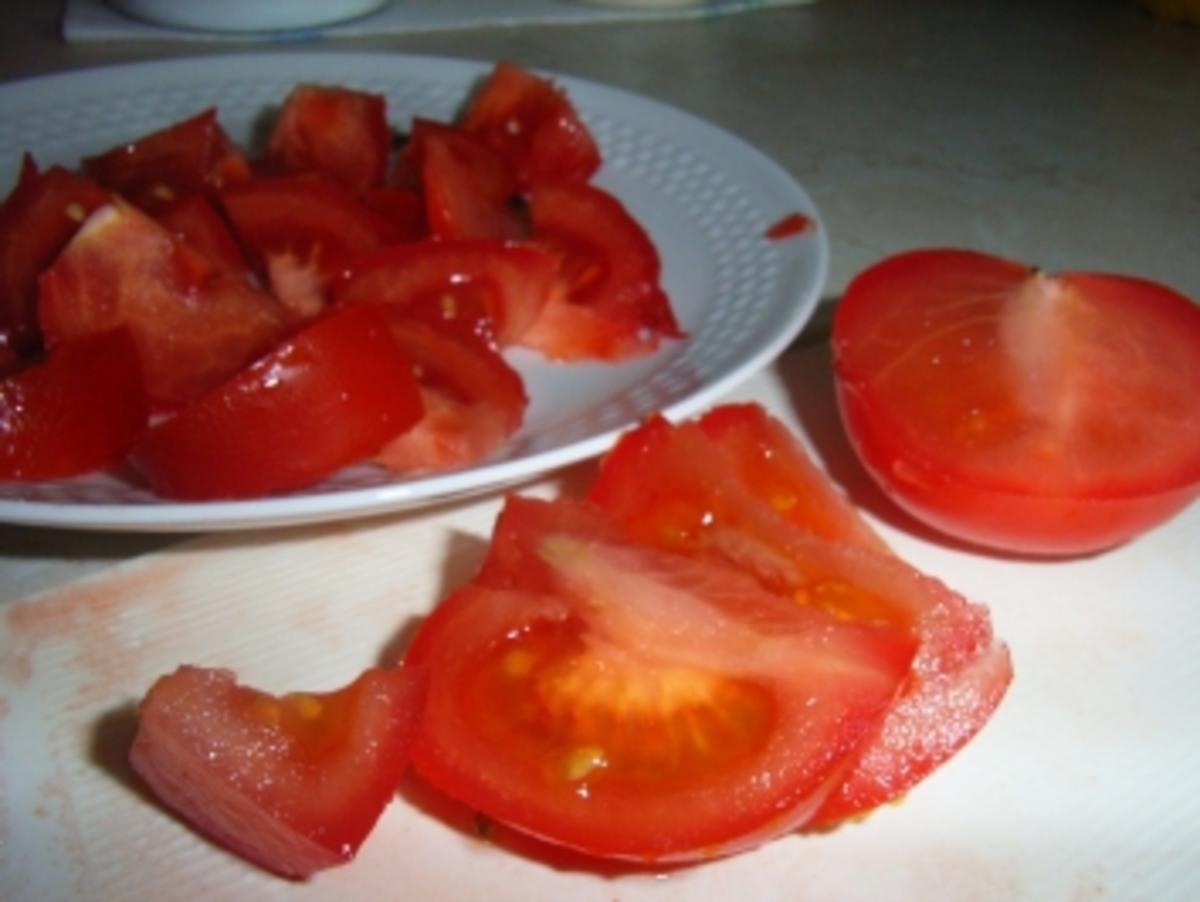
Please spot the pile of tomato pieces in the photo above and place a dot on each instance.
(233, 278)
(707, 651)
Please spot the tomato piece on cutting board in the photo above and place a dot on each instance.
(1035, 413)
(736, 484)
(295, 782)
(638, 704)
(326, 397)
(194, 324)
(76, 411)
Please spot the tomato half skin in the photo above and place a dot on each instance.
(328, 396)
(77, 411)
(637, 704)
(293, 783)
(1031, 413)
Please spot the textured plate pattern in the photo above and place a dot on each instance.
(705, 196)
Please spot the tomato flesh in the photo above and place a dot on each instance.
(639, 704)
(735, 484)
(293, 783)
(326, 397)
(77, 411)
(1019, 410)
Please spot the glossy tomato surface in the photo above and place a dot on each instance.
(324, 398)
(736, 484)
(294, 783)
(635, 703)
(1035, 413)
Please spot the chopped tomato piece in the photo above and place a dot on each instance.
(1044, 414)
(293, 783)
(502, 286)
(532, 122)
(404, 208)
(338, 132)
(36, 221)
(303, 233)
(194, 324)
(472, 399)
(789, 226)
(196, 222)
(188, 157)
(639, 704)
(327, 397)
(737, 485)
(77, 411)
(608, 303)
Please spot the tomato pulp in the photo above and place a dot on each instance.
(1034, 413)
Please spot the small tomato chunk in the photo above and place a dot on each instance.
(293, 783)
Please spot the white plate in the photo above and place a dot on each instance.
(704, 195)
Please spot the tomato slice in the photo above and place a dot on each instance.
(341, 133)
(470, 190)
(328, 396)
(736, 484)
(303, 233)
(194, 324)
(502, 286)
(36, 221)
(639, 704)
(534, 125)
(196, 222)
(404, 208)
(608, 303)
(192, 156)
(471, 398)
(293, 783)
(77, 411)
(1020, 410)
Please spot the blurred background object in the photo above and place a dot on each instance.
(1174, 10)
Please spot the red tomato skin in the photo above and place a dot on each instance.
(338, 132)
(58, 419)
(37, 219)
(696, 814)
(294, 793)
(532, 123)
(1094, 481)
(327, 397)
(192, 156)
(193, 323)
(504, 286)
(608, 303)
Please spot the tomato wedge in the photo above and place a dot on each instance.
(36, 221)
(502, 286)
(608, 303)
(338, 132)
(534, 125)
(77, 411)
(1019, 410)
(472, 400)
(736, 484)
(293, 783)
(639, 704)
(192, 156)
(194, 324)
(327, 397)
(195, 221)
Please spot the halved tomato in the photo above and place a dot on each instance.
(192, 156)
(326, 397)
(736, 484)
(639, 704)
(79, 410)
(1019, 410)
(534, 125)
(194, 324)
(36, 221)
(293, 783)
(608, 303)
(502, 286)
(341, 133)
(472, 400)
